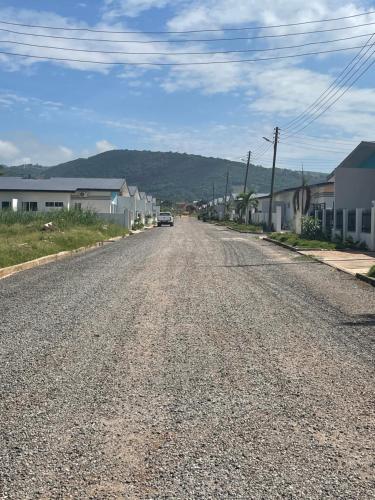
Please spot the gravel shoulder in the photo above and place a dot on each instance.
(187, 362)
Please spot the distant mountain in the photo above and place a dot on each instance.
(25, 171)
(172, 176)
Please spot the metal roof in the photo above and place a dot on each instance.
(132, 190)
(60, 184)
(359, 155)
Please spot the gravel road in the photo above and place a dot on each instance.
(187, 362)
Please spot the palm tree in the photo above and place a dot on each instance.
(246, 201)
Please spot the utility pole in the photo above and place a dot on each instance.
(247, 172)
(302, 192)
(275, 143)
(226, 194)
(213, 199)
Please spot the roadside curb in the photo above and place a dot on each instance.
(293, 249)
(239, 231)
(300, 251)
(31, 264)
(366, 279)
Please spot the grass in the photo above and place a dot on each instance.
(296, 241)
(371, 273)
(22, 238)
(241, 227)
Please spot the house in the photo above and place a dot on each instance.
(43, 195)
(291, 203)
(354, 178)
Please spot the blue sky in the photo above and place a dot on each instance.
(56, 111)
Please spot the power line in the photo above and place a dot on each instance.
(324, 96)
(259, 37)
(91, 30)
(196, 63)
(331, 103)
(271, 49)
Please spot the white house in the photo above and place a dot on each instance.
(289, 204)
(354, 179)
(43, 195)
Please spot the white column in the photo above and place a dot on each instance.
(344, 224)
(278, 219)
(372, 241)
(324, 221)
(358, 223)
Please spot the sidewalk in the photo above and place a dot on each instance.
(349, 261)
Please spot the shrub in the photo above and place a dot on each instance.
(371, 273)
(311, 229)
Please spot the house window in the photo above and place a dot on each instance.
(54, 204)
(29, 206)
(77, 206)
(5, 205)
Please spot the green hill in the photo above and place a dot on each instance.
(175, 176)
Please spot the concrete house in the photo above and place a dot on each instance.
(291, 203)
(354, 179)
(43, 195)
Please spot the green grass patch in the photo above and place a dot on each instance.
(241, 227)
(22, 237)
(371, 273)
(295, 241)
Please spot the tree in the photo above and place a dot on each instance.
(245, 202)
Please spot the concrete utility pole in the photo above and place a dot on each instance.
(226, 194)
(247, 172)
(275, 143)
(213, 199)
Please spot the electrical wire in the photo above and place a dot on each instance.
(341, 78)
(259, 37)
(271, 49)
(91, 30)
(194, 63)
(331, 103)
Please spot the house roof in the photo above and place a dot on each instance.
(259, 196)
(132, 190)
(363, 156)
(60, 184)
(142, 194)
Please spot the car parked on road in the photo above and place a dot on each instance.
(165, 219)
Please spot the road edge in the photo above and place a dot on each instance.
(5, 272)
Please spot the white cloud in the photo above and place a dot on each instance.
(104, 145)
(132, 8)
(8, 150)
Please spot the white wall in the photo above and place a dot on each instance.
(40, 197)
(354, 187)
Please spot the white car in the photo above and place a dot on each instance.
(165, 218)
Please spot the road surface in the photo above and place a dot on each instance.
(187, 362)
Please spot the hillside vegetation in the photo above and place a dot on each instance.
(172, 175)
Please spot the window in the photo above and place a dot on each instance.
(54, 204)
(5, 205)
(29, 206)
(77, 206)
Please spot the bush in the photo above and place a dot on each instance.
(371, 273)
(311, 229)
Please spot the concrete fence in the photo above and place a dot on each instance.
(358, 224)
